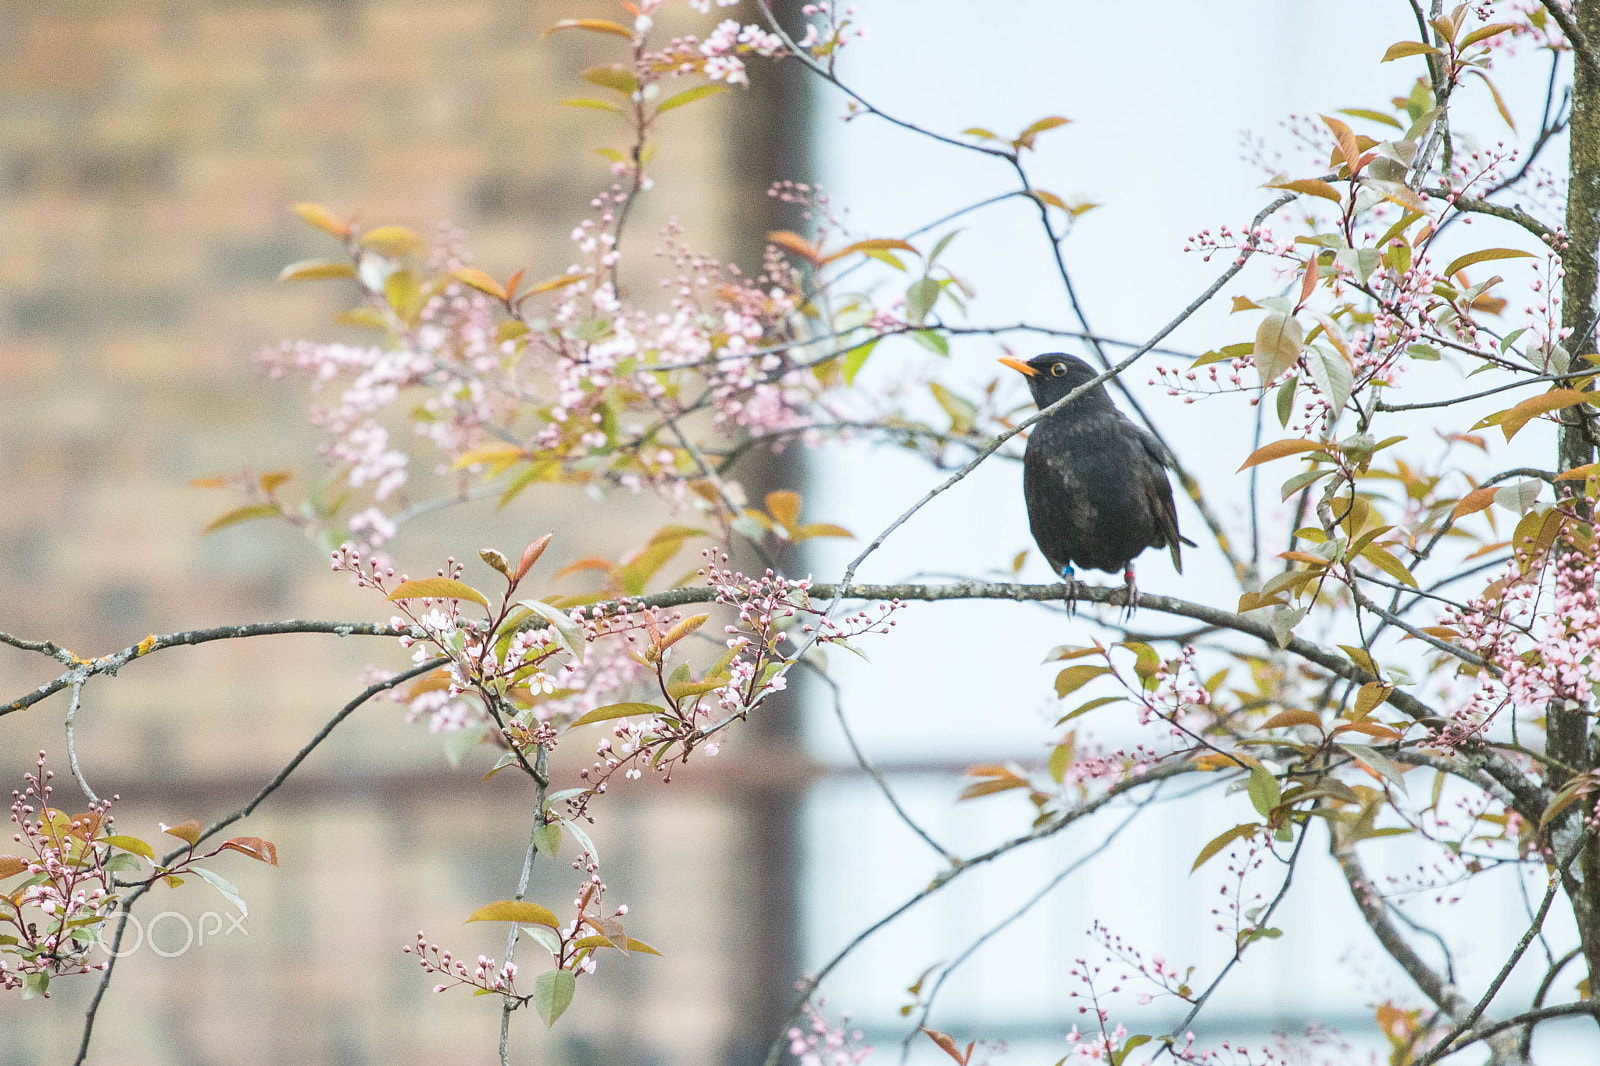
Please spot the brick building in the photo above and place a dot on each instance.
(147, 154)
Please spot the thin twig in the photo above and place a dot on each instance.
(873, 772)
(1049, 886)
(216, 827)
(72, 746)
(1054, 826)
(541, 763)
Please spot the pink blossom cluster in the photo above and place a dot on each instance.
(565, 944)
(1240, 906)
(1179, 697)
(48, 928)
(833, 28)
(591, 379)
(723, 46)
(821, 1043)
(1540, 627)
(485, 974)
(1321, 1047)
(1161, 974)
(1096, 1047)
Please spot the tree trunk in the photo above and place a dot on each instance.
(1570, 738)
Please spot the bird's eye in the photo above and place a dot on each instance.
(1057, 369)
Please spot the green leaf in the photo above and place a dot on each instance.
(689, 96)
(1371, 116)
(944, 242)
(1073, 678)
(1049, 122)
(1119, 1057)
(515, 910)
(1484, 255)
(1285, 399)
(1060, 760)
(568, 632)
(549, 838)
(1388, 564)
(222, 885)
(1098, 701)
(1381, 764)
(934, 342)
(1402, 49)
(962, 411)
(458, 742)
(582, 837)
(920, 298)
(612, 76)
(392, 241)
(316, 270)
(856, 358)
(242, 514)
(552, 992)
(1332, 374)
(1263, 790)
(402, 292)
(1303, 480)
(1277, 346)
(1483, 33)
(1245, 831)
(438, 588)
(592, 104)
(1360, 657)
(616, 710)
(642, 567)
(133, 844)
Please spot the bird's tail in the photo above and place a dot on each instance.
(1177, 556)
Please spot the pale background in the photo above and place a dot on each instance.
(146, 154)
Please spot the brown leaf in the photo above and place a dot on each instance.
(948, 1045)
(1292, 717)
(797, 244)
(188, 832)
(592, 25)
(1278, 449)
(530, 555)
(258, 849)
(1348, 147)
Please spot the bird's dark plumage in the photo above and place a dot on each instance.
(1095, 483)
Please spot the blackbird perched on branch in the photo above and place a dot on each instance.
(1095, 483)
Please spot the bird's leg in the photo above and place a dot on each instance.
(1132, 590)
(1069, 578)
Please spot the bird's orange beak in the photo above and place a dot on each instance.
(1019, 366)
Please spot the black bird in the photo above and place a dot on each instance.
(1095, 483)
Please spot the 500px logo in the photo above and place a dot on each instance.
(162, 931)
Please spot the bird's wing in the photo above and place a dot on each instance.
(1153, 445)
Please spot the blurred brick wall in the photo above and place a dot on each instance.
(148, 151)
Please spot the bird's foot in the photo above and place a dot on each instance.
(1069, 579)
(1131, 603)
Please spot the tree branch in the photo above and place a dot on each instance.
(216, 827)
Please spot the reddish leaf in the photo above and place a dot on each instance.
(258, 849)
(1278, 449)
(948, 1045)
(530, 555)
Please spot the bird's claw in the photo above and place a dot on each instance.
(1069, 582)
(1131, 594)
